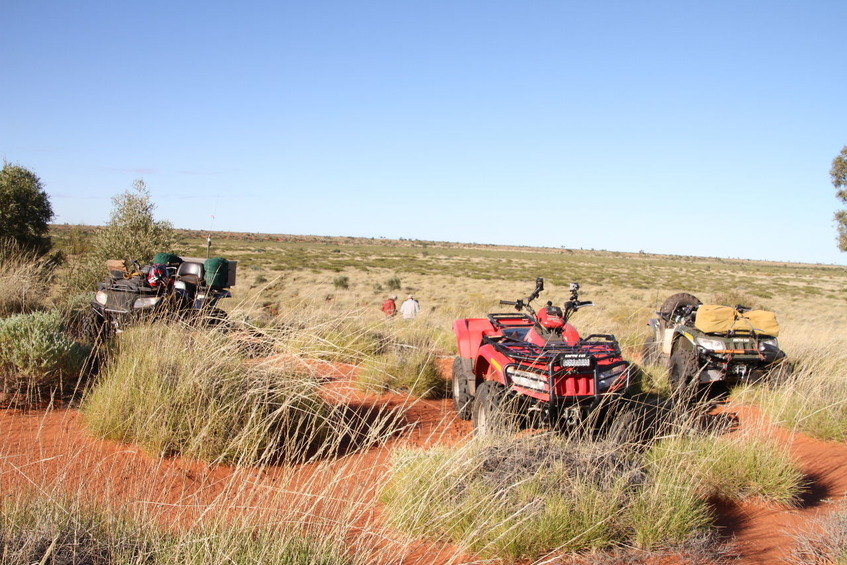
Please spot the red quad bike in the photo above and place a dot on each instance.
(528, 368)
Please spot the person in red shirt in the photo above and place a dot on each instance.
(389, 307)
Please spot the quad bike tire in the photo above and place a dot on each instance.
(462, 399)
(489, 413)
(95, 330)
(780, 372)
(682, 371)
(674, 301)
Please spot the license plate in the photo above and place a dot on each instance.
(575, 361)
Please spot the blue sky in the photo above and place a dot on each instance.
(694, 128)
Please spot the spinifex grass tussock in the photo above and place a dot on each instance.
(405, 368)
(813, 399)
(67, 530)
(25, 279)
(525, 496)
(732, 467)
(37, 360)
(174, 389)
(61, 529)
(320, 332)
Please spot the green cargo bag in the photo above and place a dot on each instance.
(217, 272)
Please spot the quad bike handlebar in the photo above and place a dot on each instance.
(571, 306)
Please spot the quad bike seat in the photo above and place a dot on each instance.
(190, 273)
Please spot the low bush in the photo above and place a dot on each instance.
(37, 360)
(824, 542)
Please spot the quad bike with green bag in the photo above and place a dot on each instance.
(171, 285)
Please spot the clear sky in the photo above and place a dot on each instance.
(675, 126)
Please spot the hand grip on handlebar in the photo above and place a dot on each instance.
(509, 302)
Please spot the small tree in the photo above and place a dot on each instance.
(25, 211)
(839, 181)
(132, 232)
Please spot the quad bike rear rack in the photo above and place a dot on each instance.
(598, 346)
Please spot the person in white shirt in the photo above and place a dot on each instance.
(410, 308)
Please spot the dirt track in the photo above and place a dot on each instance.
(53, 448)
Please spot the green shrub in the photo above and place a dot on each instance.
(393, 283)
(36, 358)
(341, 282)
(174, 390)
(132, 233)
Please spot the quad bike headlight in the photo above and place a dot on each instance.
(146, 302)
(101, 297)
(773, 342)
(608, 377)
(710, 344)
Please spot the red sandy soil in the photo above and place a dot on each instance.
(44, 448)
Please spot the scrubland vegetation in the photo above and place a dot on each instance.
(253, 395)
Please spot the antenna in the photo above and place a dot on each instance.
(209, 237)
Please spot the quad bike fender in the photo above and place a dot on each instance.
(664, 337)
(667, 338)
(682, 340)
(469, 333)
(570, 335)
(490, 365)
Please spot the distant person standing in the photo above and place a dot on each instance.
(410, 308)
(389, 307)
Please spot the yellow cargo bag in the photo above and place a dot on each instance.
(761, 321)
(713, 318)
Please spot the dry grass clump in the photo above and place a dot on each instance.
(813, 399)
(320, 332)
(403, 369)
(67, 530)
(174, 389)
(644, 484)
(25, 279)
(522, 497)
(37, 360)
(733, 467)
(823, 542)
